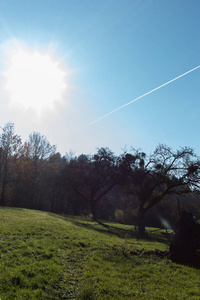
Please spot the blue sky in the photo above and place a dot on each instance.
(114, 52)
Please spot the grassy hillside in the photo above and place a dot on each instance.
(47, 256)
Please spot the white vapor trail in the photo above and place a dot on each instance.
(97, 120)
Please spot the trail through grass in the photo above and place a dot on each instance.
(47, 256)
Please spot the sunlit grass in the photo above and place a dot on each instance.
(47, 256)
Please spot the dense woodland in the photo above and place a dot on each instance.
(132, 188)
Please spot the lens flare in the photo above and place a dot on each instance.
(165, 223)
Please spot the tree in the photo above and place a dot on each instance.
(165, 172)
(38, 148)
(10, 144)
(92, 177)
(37, 154)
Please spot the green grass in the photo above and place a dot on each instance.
(47, 256)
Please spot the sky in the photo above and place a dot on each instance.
(99, 55)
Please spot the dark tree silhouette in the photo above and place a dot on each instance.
(162, 173)
(92, 177)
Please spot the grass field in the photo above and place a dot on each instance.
(47, 256)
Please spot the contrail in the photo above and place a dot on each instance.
(159, 87)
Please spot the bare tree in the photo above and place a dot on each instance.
(38, 151)
(92, 177)
(162, 173)
(10, 144)
(39, 148)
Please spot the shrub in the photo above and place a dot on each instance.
(119, 215)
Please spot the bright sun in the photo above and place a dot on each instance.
(34, 80)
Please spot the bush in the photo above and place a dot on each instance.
(128, 216)
(119, 215)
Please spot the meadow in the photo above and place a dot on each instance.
(49, 256)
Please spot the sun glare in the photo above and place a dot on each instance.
(34, 80)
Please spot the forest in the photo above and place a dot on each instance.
(131, 188)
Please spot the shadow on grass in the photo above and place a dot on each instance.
(114, 230)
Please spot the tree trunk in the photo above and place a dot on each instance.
(140, 217)
(93, 210)
(2, 201)
(3, 193)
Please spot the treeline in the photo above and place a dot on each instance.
(132, 187)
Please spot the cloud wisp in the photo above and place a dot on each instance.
(134, 100)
